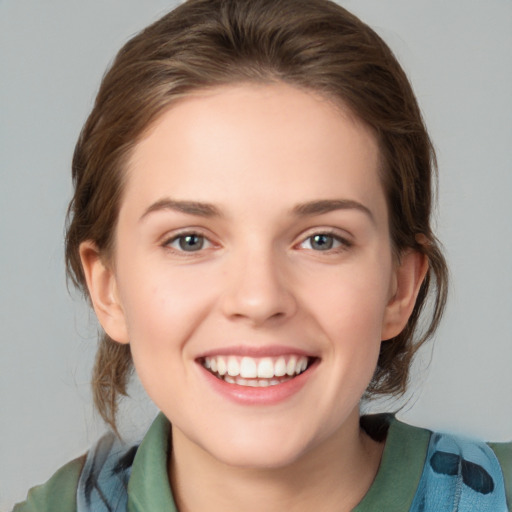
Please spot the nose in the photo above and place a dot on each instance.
(258, 289)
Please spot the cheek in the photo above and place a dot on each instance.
(163, 312)
(163, 305)
(353, 299)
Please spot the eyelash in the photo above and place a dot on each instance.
(342, 243)
(181, 236)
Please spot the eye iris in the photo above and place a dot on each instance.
(322, 242)
(191, 242)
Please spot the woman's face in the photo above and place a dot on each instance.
(253, 272)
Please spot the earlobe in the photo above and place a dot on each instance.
(409, 274)
(102, 286)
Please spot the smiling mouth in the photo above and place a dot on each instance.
(256, 371)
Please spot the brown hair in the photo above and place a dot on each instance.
(312, 44)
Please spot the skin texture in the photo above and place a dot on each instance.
(256, 152)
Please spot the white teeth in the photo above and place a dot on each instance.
(251, 369)
(266, 368)
(221, 366)
(254, 383)
(290, 367)
(233, 367)
(280, 367)
(248, 369)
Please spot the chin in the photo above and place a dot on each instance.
(260, 451)
(260, 459)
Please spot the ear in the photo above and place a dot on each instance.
(409, 274)
(102, 286)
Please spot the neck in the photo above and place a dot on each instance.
(333, 476)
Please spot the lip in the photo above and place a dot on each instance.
(246, 395)
(256, 352)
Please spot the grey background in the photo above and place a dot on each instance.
(53, 53)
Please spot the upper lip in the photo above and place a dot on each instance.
(256, 351)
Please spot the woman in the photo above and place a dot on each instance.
(251, 222)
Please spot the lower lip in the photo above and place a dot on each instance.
(269, 395)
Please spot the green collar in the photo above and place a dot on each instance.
(393, 488)
(148, 488)
(400, 468)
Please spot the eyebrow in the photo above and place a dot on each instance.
(328, 205)
(189, 207)
(310, 208)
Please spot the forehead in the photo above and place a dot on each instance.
(274, 141)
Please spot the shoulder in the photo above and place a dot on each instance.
(58, 493)
(475, 474)
(431, 466)
(100, 477)
(503, 452)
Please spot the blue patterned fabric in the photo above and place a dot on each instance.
(460, 476)
(103, 484)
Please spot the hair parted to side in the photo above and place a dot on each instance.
(312, 44)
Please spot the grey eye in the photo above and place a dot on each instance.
(321, 242)
(188, 243)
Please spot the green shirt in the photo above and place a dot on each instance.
(148, 489)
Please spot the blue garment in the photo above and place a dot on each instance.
(460, 475)
(103, 484)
